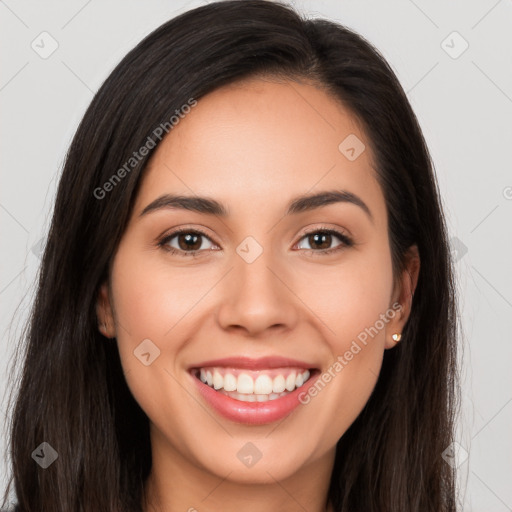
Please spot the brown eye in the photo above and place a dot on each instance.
(189, 241)
(321, 241)
(185, 242)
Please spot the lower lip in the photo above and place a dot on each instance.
(253, 413)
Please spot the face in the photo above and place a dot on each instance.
(284, 306)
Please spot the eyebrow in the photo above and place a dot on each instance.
(297, 205)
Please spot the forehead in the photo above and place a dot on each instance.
(262, 138)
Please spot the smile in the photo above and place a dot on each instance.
(251, 391)
(249, 386)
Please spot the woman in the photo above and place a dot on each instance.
(200, 342)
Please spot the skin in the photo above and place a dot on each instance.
(253, 146)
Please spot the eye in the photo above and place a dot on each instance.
(324, 239)
(185, 242)
(189, 242)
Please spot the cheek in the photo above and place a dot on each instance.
(363, 298)
(156, 301)
(352, 303)
(349, 298)
(152, 298)
(152, 304)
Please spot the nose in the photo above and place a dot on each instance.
(257, 297)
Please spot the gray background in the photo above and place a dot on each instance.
(463, 102)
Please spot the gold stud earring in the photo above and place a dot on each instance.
(397, 337)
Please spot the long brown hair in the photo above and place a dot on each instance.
(72, 392)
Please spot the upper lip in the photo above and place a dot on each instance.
(254, 364)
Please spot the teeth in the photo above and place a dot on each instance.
(252, 398)
(229, 382)
(245, 384)
(260, 388)
(290, 381)
(218, 381)
(278, 384)
(263, 385)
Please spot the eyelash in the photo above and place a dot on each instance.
(346, 241)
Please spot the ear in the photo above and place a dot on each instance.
(104, 313)
(402, 296)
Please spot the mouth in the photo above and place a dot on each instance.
(253, 391)
(253, 386)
